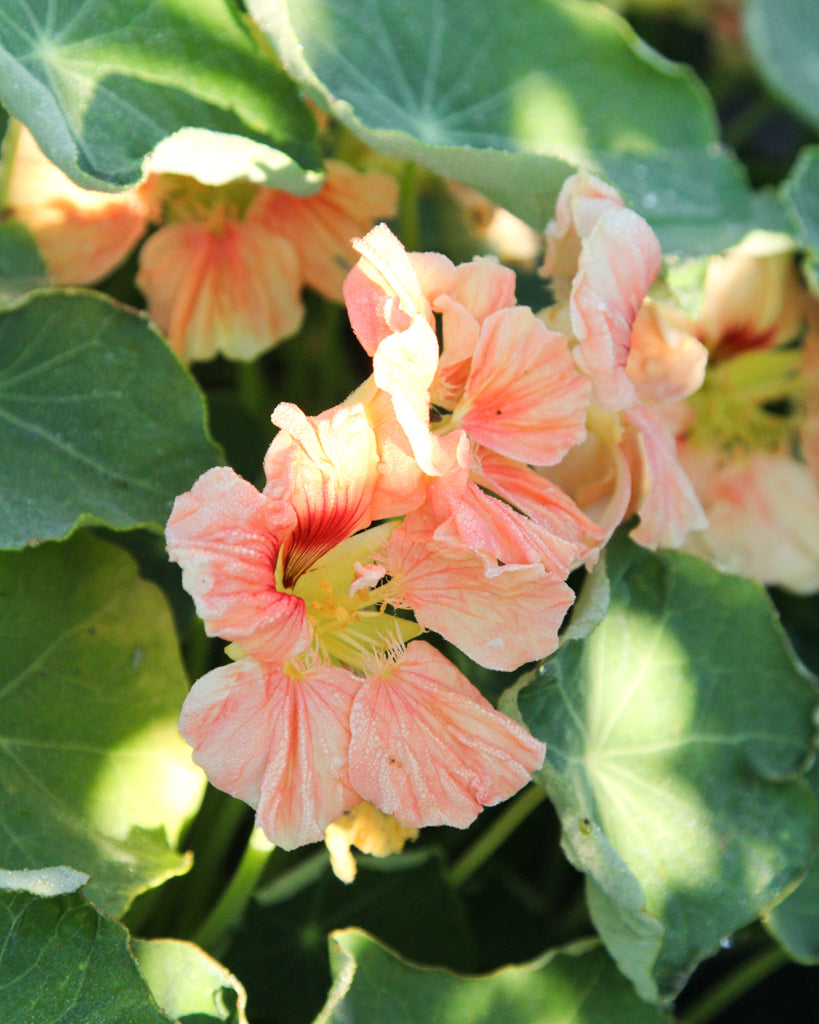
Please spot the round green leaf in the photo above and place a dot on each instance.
(101, 83)
(98, 420)
(188, 984)
(62, 962)
(782, 35)
(513, 101)
(676, 732)
(802, 195)
(575, 985)
(93, 773)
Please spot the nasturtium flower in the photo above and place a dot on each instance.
(225, 271)
(82, 235)
(602, 258)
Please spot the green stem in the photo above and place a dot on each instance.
(498, 832)
(252, 389)
(729, 989)
(231, 904)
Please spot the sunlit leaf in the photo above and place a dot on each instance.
(575, 985)
(782, 35)
(676, 732)
(62, 962)
(512, 105)
(93, 773)
(98, 421)
(187, 984)
(101, 83)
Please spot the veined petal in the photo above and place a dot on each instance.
(320, 227)
(666, 362)
(428, 748)
(501, 616)
(226, 286)
(227, 536)
(524, 398)
(278, 742)
(663, 495)
(382, 291)
(618, 263)
(326, 467)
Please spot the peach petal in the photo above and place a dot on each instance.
(279, 743)
(227, 286)
(524, 398)
(618, 262)
(226, 536)
(82, 235)
(501, 616)
(668, 505)
(763, 516)
(326, 467)
(320, 227)
(666, 362)
(426, 747)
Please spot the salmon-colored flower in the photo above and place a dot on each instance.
(225, 273)
(602, 259)
(82, 235)
(370, 831)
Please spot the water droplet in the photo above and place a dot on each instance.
(727, 942)
(650, 200)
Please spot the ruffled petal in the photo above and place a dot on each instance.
(524, 398)
(428, 748)
(277, 742)
(227, 536)
(326, 467)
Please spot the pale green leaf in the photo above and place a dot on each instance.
(783, 36)
(98, 420)
(188, 984)
(62, 962)
(575, 985)
(93, 772)
(802, 195)
(676, 733)
(512, 104)
(101, 83)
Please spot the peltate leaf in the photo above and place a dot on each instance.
(575, 985)
(98, 420)
(782, 36)
(101, 83)
(676, 733)
(802, 197)
(93, 773)
(513, 104)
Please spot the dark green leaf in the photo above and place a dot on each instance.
(676, 732)
(92, 770)
(802, 195)
(98, 420)
(62, 962)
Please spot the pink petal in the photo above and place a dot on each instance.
(501, 616)
(666, 362)
(326, 467)
(524, 397)
(426, 747)
(668, 505)
(279, 743)
(226, 536)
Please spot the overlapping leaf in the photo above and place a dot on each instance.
(513, 104)
(93, 773)
(97, 420)
(101, 84)
(575, 985)
(676, 732)
(802, 192)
